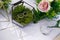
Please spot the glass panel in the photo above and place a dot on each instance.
(3, 16)
(4, 19)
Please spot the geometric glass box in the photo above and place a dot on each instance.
(26, 6)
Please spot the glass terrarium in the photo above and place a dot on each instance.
(52, 25)
(21, 13)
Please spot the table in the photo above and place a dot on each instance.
(30, 32)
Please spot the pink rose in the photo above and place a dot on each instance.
(44, 6)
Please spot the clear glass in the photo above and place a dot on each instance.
(4, 16)
(51, 25)
(4, 19)
(45, 30)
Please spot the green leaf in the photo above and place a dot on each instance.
(5, 4)
(6, 1)
(38, 1)
(51, 14)
(37, 16)
(56, 6)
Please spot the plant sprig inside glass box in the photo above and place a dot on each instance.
(22, 13)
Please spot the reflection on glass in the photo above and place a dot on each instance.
(3, 16)
(45, 30)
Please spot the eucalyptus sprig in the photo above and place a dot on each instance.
(4, 4)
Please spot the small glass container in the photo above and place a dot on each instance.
(24, 4)
(47, 29)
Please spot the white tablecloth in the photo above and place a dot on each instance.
(30, 32)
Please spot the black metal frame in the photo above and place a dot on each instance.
(17, 3)
(21, 2)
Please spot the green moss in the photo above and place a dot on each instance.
(22, 15)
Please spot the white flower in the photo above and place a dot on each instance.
(44, 6)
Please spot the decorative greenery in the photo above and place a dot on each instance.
(38, 16)
(52, 13)
(22, 15)
(37, 1)
(4, 4)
